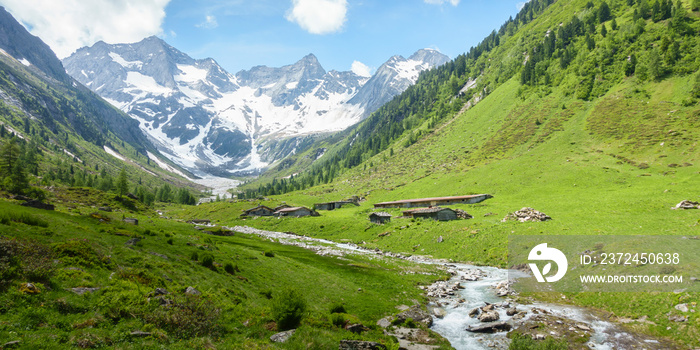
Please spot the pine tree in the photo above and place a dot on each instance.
(9, 155)
(122, 183)
(603, 12)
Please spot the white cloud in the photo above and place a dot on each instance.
(209, 22)
(319, 16)
(440, 2)
(68, 25)
(361, 69)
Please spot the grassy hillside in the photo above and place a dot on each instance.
(80, 247)
(596, 128)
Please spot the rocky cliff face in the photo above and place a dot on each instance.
(211, 121)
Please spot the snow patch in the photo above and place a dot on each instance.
(124, 63)
(145, 84)
(72, 155)
(292, 85)
(165, 166)
(114, 154)
(25, 62)
(190, 74)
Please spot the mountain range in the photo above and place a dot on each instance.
(212, 122)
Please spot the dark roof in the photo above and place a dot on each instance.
(381, 214)
(258, 207)
(425, 210)
(432, 199)
(292, 209)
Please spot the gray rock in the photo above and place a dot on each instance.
(384, 322)
(356, 328)
(191, 291)
(282, 337)
(83, 290)
(677, 318)
(360, 345)
(490, 327)
(417, 314)
(439, 312)
(489, 316)
(474, 312)
(682, 307)
(512, 311)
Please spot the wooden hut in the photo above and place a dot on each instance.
(296, 212)
(333, 205)
(260, 210)
(426, 202)
(379, 218)
(435, 213)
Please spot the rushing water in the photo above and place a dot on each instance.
(604, 335)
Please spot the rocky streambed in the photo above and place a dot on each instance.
(476, 308)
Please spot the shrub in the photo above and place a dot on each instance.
(208, 260)
(288, 309)
(338, 309)
(338, 320)
(269, 254)
(229, 268)
(191, 316)
(79, 251)
(25, 258)
(170, 241)
(194, 256)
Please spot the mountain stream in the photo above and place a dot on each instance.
(477, 287)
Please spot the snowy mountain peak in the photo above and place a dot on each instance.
(210, 121)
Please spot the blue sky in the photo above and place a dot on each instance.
(240, 34)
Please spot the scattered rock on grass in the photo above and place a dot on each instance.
(282, 337)
(83, 290)
(681, 307)
(191, 291)
(384, 322)
(417, 314)
(527, 214)
(677, 318)
(686, 204)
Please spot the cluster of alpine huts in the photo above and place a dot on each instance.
(424, 208)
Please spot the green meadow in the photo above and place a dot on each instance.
(240, 278)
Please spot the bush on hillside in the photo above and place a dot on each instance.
(288, 309)
(208, 260)
(190, 316)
